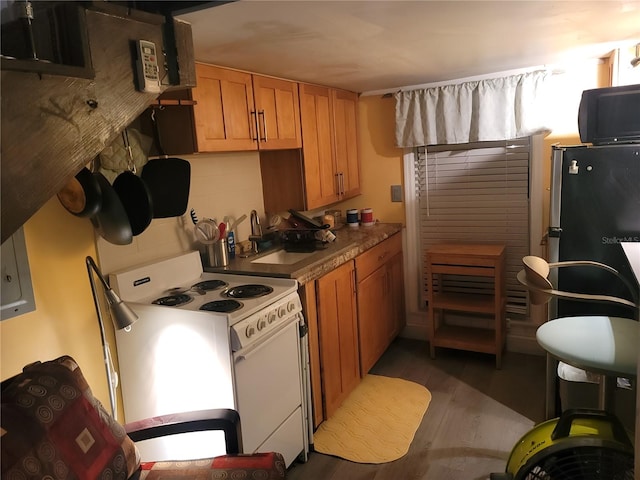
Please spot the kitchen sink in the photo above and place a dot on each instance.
(282, 257)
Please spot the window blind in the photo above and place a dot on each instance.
(476, 193)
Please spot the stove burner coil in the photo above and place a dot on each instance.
(208, 285)
(173, 300)
(222, 306)
(247, 291)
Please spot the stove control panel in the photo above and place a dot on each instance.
(261, 323)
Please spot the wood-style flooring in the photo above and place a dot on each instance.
(476, 415)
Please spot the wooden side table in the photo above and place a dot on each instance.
(479, 260)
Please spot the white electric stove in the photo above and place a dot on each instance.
(213, 340)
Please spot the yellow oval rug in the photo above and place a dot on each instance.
(377, 421)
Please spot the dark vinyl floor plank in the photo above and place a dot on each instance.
(476, 415)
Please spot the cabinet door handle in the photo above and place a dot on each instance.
(254, 124)
(353, 282)
(264, 125)
(340, 183)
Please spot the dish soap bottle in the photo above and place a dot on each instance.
(231, 240)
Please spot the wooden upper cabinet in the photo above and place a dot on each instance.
(238, 111)
(345, 109)
(223, 110)
(330, 147)
(277, 109)
(318, 149)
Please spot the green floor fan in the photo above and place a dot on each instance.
(579, 445)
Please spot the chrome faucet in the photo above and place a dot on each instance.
(256, 231)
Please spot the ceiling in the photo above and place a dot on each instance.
(370, 46)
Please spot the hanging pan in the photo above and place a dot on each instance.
(168, 180)
(133, 193)
(111, 221)
(81, 196)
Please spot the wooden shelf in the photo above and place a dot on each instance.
(465, 338)
(473, 260)
(464, 302)
(173, 102)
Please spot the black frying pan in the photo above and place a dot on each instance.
(111, 221)
(168, 180)
(82, 195)
(134, 194)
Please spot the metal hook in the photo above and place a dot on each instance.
(127, 146)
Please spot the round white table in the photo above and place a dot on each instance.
(599, 344)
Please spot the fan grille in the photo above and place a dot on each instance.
(582, 463)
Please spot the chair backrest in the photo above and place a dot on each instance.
(534, 278)
(53, 425)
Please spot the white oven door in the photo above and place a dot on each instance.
(269, 393)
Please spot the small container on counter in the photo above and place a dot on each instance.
(328, 220)
(366, 216)
(218, 254)
(352, 217)
(231, 244)
(337, 217)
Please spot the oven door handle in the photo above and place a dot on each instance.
(247, 352)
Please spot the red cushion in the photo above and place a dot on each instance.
(262, 466)
(52, 425)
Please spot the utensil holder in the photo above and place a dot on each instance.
(217, 253)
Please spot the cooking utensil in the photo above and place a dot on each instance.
(222, 229)
(194, 217)
(237, 222)
(134, 194)
(168, 180)
(207, 231)
(310, 221)
(81, 196)
(111, 221)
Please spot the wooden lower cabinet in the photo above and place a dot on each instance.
(374, 312)
(353, 313)
(380, 291)
(338, 336)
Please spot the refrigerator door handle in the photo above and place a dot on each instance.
(554, 232)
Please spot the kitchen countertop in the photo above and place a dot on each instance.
(349, 243)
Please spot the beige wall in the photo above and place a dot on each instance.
(64, 322)
(222, 184)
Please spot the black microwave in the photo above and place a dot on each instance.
(610, 115)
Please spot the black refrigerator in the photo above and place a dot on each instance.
(595, 205)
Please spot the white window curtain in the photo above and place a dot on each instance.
(478, 111)
(476, 193)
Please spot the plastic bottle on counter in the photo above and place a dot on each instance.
(231, 240)
(231, 244)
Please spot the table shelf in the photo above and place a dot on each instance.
(464, 302)
(472, 260)
(465, 338)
